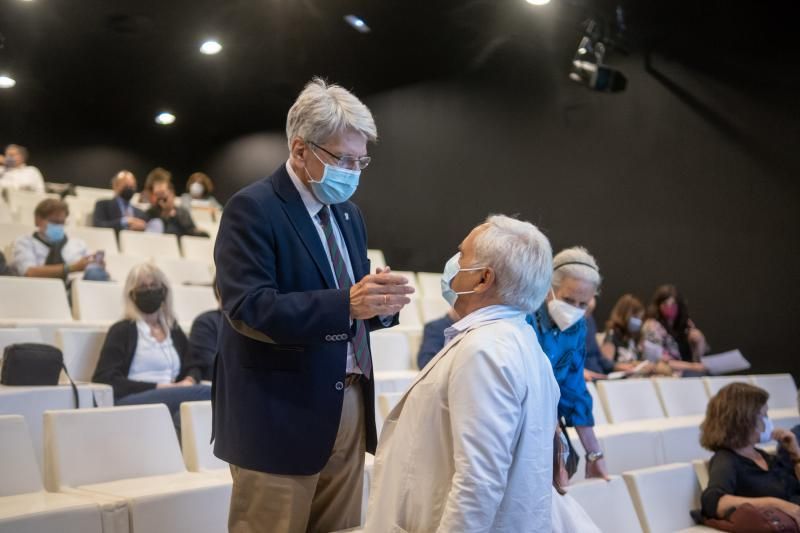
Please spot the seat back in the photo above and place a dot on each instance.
(629, 448)
(9, 336)
(376, 259)
(10, 231)
(97, 301)
(198, 248)
(598, 409)
(118, 266)
(633, 399)
(23, 204)
(87, 446)
(607, 503)
(681, 444)
(410, 315)
(191, 301)
(715, 383)
(390, 351)
(93, 193)
(96, 239)
(682, 396)
(198, 453)
(186, 271)
(781, 388)
(149, 245)
(81, 348)
(33, 298)
(430, 284)
(433, 308)
(701, 471)
(663, 496)
(20, 471)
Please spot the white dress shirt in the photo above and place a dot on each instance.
(25, 178)
(154, 362)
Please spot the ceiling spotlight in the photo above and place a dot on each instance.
(210, 47)
(7, 82)
(538, 2)
(357, 23)
(165, 118)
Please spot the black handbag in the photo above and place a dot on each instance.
(571, 466)
(31, 363)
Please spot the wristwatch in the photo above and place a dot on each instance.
(593, 457)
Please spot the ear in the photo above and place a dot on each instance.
(487, 281)
(298, 152)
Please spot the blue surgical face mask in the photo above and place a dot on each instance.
(54, 232)
(336, 185)
(766, 435)
(451, 268)
(634, 324)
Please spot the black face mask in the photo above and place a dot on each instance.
(149, 300)
(127, 193)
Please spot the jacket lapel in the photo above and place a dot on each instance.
(302, 223)
(344, 218)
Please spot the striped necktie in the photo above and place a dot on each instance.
(360, 344)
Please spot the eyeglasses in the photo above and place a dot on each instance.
(346, 161)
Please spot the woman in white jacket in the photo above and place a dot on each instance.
(469, 446)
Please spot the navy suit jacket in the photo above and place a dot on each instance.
(107, 214)
(282, 346)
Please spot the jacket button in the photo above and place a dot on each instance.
(339, 385)
(327, 337)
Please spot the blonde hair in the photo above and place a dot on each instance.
(139, 274)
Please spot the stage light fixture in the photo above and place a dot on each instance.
(357, 23)
(165, 118)
(210, 47)
(538, 2)
(7, 82)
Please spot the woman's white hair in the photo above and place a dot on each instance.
(521, 257)
(322, 110)
(575, 263)
(143, 274)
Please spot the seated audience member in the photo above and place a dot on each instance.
(118, 212)
(165, 217)
(145, 357)
(433, 337)
(568, 515)
(155, 177)
(621, 340)
(594, 365)
(49, 253)
(198, 192)
(17, 174)
(739, 473)
(560, 327)
(203, 338)
(479, 471)
(668, 325)
(5, 270)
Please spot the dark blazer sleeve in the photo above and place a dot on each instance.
(107, 215)
(115, 360)
(721, 482)
(252, 302)
(203, 341)
(190, 367)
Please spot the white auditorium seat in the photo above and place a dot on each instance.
(433, 308)
(630, 399)
(149, 245)
(781, 388)
(701, 471)
(96, 239)
(80, 212)
(188, 302)
(664, 496)
(629, 448)
(198, 453)
(97, 301)
(410, 316)
(681, 443)
(9, 336)
(682, 396)
(93, 193)
(607, 503)
(33, 298)
(119, 265)
(81, 348)
(198, 248)
(390, 351)
(202, 215)
(430, 284)
(598, 409)
(715, 383)
(10, 231)
(23, 204)
(186, 271)
(24, 506)
(376, 259)
(139, 463)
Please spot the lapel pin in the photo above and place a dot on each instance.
(347, 216)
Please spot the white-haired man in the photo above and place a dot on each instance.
(17, 174)
(560, 326)
(118, 212)
(294, 388)
(469, 447)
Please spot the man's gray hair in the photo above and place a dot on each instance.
(119, 176)
(521, 257)
(322, 110)
(577, 263)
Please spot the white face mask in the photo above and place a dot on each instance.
(562, 313)
(196, 189)
(766, 435)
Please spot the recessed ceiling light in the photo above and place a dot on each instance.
(210, 47)
(165, 118)
(7, 82)
(538, 2)
(357, 23)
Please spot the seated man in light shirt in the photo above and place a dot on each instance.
(49, 253)
(17, 174)
(469, 447)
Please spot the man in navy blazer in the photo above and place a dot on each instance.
(118, 212)
(293, 397)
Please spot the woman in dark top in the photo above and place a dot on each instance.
(736, 420)
(145, 356)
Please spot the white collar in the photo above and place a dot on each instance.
(313, 205)
(480, 316)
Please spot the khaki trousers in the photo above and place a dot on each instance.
(325, 502)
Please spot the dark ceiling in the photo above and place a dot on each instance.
(94, 68)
